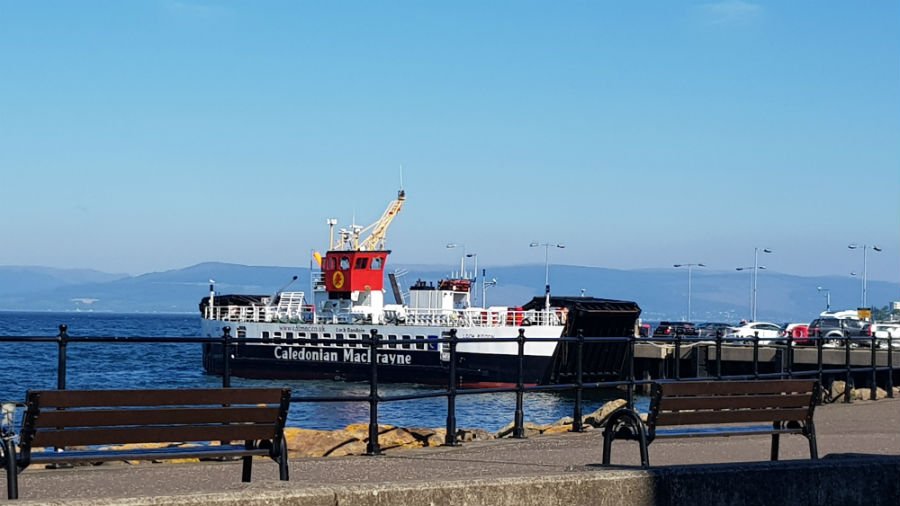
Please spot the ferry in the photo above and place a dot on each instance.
(292, 335)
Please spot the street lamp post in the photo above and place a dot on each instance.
(827, 297)
(546, 246)
(865, 248)
(755, 270)
(690, 270)
(751, 269)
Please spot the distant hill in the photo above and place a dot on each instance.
(661, 293)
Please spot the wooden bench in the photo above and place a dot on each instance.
(244, 421)
(713, 407)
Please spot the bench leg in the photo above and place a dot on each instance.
(283, 468)
(247, 461)
(811, 436)
(775, 440)
(247, 468)
(632, 419)
(12, 471)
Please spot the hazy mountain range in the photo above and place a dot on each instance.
(661, 293)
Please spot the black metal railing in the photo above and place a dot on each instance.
(786, 367)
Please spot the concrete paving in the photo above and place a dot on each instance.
(864, 427)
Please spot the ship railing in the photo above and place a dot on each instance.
(484, 317)
(869, 360)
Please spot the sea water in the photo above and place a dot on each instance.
(25, 366)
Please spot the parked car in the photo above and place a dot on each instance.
(709, 329)
(884, 330)
(767, 332)
(835, 330)
(797, 332)
(671, 329)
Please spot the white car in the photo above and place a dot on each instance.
(883, 331)
(768, 332)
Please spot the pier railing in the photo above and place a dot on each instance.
(868, 359)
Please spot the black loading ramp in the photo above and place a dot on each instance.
(602, 361)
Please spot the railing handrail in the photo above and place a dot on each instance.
(376, 343)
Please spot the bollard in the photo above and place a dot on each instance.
(372, 447)
(226, 357)
(450, 437)
(577, 425)
(519, 422)
(62, 341)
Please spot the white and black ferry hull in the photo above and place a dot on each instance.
(418, 359)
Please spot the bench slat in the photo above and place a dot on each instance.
(119, 435)
(169, 397)
(194, 452)
(734, 402)
(670, 389)
(736, 416)
(154, 416)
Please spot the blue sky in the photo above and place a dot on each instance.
(151, 135)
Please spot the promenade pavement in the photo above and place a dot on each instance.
(864, 427)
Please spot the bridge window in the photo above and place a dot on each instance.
(420, 345)
(330, 264)
(406, 342)
(376, 263)
(361, 262)
(345, 263)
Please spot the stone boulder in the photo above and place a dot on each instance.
(598, 417)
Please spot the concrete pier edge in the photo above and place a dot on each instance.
(869, 480)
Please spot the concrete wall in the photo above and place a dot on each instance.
(836, 480)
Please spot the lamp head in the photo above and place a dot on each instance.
(876, 248)
(766, 250)
(852, 246)
(533, 245)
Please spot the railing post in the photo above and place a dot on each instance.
(820, 366)
(519, 422)
(756, 355)
(372, 447)
(890, 367)
(790, 356)
(62, 341)
(226, 357)
(718, 355)
(848, 375)
(873, 392)
(678, 355)
(629, 392)
(450, 437)
(577, 425)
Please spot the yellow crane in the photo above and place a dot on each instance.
(349, 239)
(375, 241)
